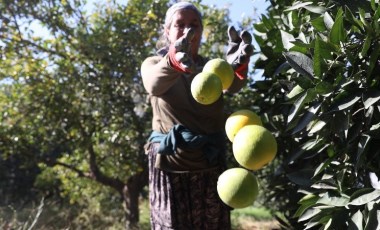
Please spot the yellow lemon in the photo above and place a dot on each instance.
(254, 147)
(237, 187)
(206, 88)
(222, 69)
(239, 119)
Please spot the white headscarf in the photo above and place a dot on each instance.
(180, 6)
(163, 42)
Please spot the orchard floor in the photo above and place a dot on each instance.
(252, 224)
(253, 218)
(250, 218)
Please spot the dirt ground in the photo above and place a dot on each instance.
(250, 224)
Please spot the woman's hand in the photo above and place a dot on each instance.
(239, 51)
(180, 52)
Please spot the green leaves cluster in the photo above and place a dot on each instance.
(321, 66)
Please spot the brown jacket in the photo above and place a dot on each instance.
(172, 103)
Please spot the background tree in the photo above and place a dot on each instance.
(74, 114)
(320, 95)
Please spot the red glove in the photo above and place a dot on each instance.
(242, 70)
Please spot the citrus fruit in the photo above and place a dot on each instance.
(239, 119)
(206, 88)
(254, 146)
(222, 69)
(237, 187)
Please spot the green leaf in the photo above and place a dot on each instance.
(373, 4)
(260, 27)
(376, 15)
(331, 200)
(310, 213)
(304, 82)
(317, 58)
(298, 104)
(338, 33)
(323, 88)
(373, 218)
(319, 24)
(300, 63)
(325, 186)
(317, 126)
(302, 44)
(301, 177)
(371, 97)
(287, 40)
(356, 222)
(322, 166)
(294, 92)
(363, 18)
(364, 196)
(329, 22)
(267, 23)
(340, 123)
(316, 9)
(309, 145)
(366, 45)
(353, 20)
(343, 101)
(374, 130)
(319, 220)
(362, 148)
(298, 5)
(307, 117)
(373, 60)
(306, 202)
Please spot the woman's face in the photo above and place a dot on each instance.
(181, 20)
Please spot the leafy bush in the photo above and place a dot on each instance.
(320, 95)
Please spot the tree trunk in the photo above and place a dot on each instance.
(130, 194)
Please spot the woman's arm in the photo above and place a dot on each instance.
(157, 75)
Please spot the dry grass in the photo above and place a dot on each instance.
(246, 223)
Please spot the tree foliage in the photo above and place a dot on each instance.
(320, 93)
(74, 115)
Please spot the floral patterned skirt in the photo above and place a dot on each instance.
(185, 201)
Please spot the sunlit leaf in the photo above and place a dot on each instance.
(307, 117)
(305, 97)
(310, 213)
(370, 98)
(306, 202)
(331, 200)
(298, 5)
(364, 196)
(329, 22)
(344, 101)
(357, 220)
(315, 9)
(287, 40)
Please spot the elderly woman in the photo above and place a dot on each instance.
(185, 150)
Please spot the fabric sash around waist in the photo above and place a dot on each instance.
(179, 136)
